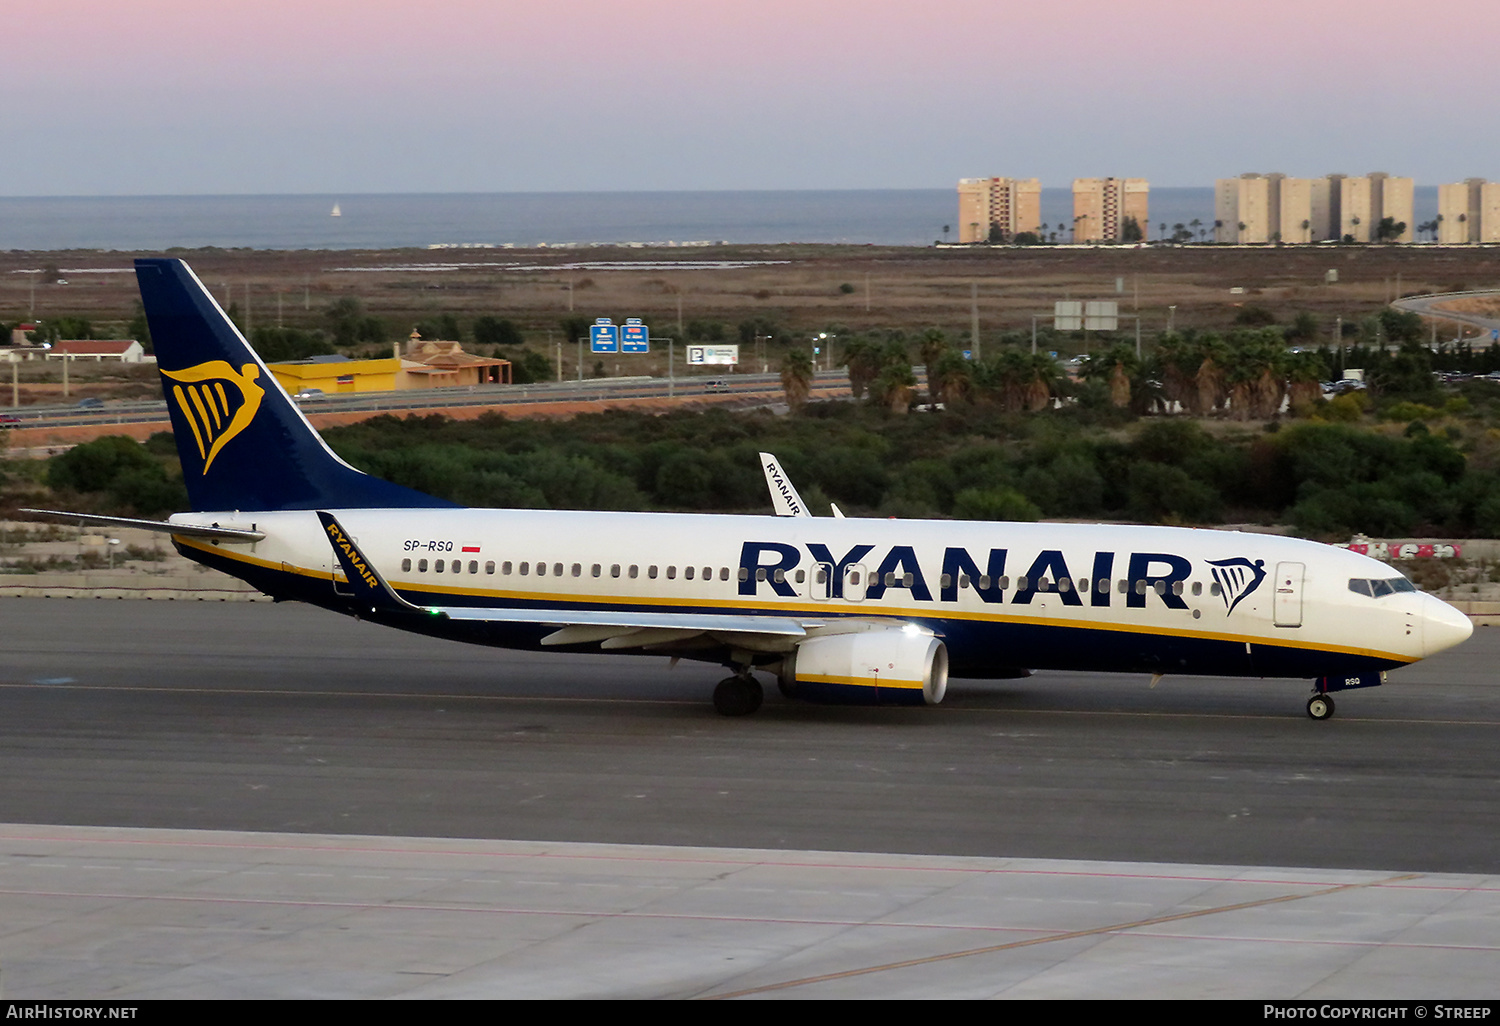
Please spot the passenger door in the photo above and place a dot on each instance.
(1287, 606)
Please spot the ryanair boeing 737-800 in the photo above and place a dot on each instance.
(837, 609)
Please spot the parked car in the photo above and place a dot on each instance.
(310, 394)
(90, 402)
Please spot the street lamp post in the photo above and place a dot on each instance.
(824, 342)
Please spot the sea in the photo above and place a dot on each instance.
(882, 217)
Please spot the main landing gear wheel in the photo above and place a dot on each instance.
(738, 696)
(1320, 707)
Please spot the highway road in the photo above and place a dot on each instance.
(1431, 306)
(285, 718)
(439, 399)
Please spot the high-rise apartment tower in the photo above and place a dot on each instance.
(996, 209)
(1102, 207)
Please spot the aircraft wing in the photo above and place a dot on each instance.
(738, 623)
(616, 628)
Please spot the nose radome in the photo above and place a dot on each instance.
(1443, 626)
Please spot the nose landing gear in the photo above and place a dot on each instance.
(1320, 705)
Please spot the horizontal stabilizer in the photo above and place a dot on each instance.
(186, 530)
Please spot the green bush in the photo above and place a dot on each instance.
(994, 504)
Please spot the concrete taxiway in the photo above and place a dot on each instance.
(149, 914)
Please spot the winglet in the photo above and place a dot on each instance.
(370, 589)
(784, 497)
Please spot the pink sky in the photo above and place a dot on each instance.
(332, 95)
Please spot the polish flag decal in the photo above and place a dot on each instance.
(471, 548)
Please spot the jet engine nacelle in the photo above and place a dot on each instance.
(895, 666)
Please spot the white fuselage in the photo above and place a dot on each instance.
(1003, 595)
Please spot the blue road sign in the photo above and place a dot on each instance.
(635, 337)
(604, 336)
(968, 354)
(1495, 334)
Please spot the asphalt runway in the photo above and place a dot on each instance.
(286, 718)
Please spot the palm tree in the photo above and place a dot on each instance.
(1257, 383)
(796, 377)
(894, 388)
(1118, 368)
(1017, 380)
(1045, 379)
(951, 379)
(934, 345)
(1178, 360)
(1208, 379)
(1197, 227)
(862, 358)
(895, 383)
(1304, 373)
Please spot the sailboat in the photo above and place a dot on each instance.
(336, 211)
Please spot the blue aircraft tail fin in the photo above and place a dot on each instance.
(243, 442)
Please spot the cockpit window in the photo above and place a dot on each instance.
(1378, 588)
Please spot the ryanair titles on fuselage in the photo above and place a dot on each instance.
(770, 564)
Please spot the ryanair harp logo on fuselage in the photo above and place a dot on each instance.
(1237, 578)
(217, 402)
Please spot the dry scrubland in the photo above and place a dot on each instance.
(816, 287)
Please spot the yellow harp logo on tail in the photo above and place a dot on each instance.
(218, 403)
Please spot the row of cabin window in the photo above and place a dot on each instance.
(559, 570)
(1062, 584)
